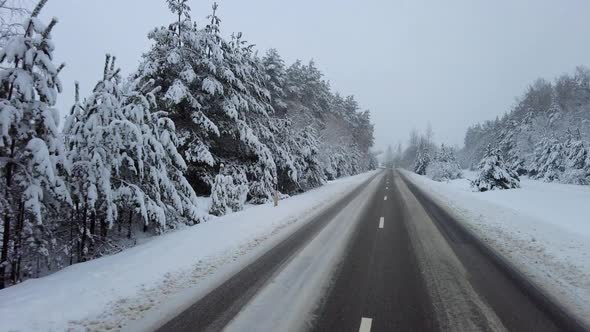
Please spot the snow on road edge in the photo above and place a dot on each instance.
(553, 257)
(288, 300)
(152, 281)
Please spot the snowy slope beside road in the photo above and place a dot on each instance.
(154, 280)
(542, 228)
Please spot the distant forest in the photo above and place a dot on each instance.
(546, 136)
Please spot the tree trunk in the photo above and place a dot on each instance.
(71, 243)
(130, 223)
(81, 254)
(92, 232)
(5, 244)
(105, 228)
(102, 229)
(93, 223)
(119, 223)
(18, 236)
(6, 233)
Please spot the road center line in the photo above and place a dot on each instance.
(385, 198)
(381, 221)
(365, 325)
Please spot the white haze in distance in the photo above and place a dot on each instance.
(453, 62)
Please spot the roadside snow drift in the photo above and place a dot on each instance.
(162, 276)
(542, 228)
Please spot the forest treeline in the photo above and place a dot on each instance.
(545, 136)
(203, 115)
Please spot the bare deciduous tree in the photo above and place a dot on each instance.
(12, 13)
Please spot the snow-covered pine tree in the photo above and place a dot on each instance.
(95, 149)
(182, 61)
(508, 145)
(274, 68)
(423, 159)
(159, 167)
(216, 92)
(577, 162)
(207, 84)
(548, 164)
(307, 157)
(248, 98)
(31, 149)
(125, 165)
(229, 191)
(295, 147)
(182, 10)
(444, 166)
(494, 173)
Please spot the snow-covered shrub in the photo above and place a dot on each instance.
(229, 193)
(494, 174)
(444, 167)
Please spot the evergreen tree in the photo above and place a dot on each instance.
(137, 151)
(95, 149)
(422, 159)
(229, 192)
(494, 174)
(274, 68)
(159, 167)
(31, 150)
(548, 164)
(444, 166)
(577, 162)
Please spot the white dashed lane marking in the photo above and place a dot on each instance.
(365, 325)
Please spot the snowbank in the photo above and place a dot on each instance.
(543, 228)
(165, 274)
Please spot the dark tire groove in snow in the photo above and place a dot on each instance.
(216, 309)
(520, 304)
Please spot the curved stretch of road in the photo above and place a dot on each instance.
(383, 258)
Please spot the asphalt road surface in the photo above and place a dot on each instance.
(405, 265)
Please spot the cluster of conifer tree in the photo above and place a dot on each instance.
(545, 136)
(202, 115)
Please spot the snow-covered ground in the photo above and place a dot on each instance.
(542, 228)
(153, 281)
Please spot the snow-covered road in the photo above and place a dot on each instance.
(394, 264)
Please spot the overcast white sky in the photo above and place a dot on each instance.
(452, 62)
